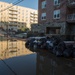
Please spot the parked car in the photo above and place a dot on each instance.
(34, 42)
(21, 35)
(54, 45)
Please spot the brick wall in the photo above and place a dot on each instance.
(50, 9)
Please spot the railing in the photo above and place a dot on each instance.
(13, 13)
(71, 17)
(13, 17)
(13, 9)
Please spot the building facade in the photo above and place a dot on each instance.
(57, 16)
(16, 17)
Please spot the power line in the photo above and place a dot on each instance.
(15, 3)
(8, 66)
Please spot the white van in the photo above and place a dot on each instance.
(21, 35)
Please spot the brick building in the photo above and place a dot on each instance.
(57, 16)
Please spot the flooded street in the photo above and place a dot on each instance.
(17, 60)
(12, 48)
(37, 37)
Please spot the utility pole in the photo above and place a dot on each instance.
(6, 38)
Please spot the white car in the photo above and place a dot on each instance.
(22, 35)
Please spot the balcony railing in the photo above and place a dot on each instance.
(71, 17)
(13, 9)
(13, 13)
(71, 3)
(13, 17)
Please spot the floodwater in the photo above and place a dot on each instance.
(17, 60)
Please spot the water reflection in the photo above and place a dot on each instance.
(11, 48)
(42, 62)
(49, 64)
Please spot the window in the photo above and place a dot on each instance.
(56, 2)
(43, 16)
(1, 5)
(43, 4)
(56, 14)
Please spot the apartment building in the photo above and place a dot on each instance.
(57, 16)
(16, 17)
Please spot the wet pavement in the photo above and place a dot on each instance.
(17, 60)
(22, 65)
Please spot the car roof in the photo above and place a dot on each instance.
(36, 37)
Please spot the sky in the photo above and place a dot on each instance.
(26, 3)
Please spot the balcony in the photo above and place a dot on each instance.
(13, 13)
(71, 18)
(12, 16)
(13, 9)
(10, 19)
(71, 3)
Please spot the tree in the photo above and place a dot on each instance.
(27, 29)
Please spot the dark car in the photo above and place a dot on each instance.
(35, 42)
(28, 41)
